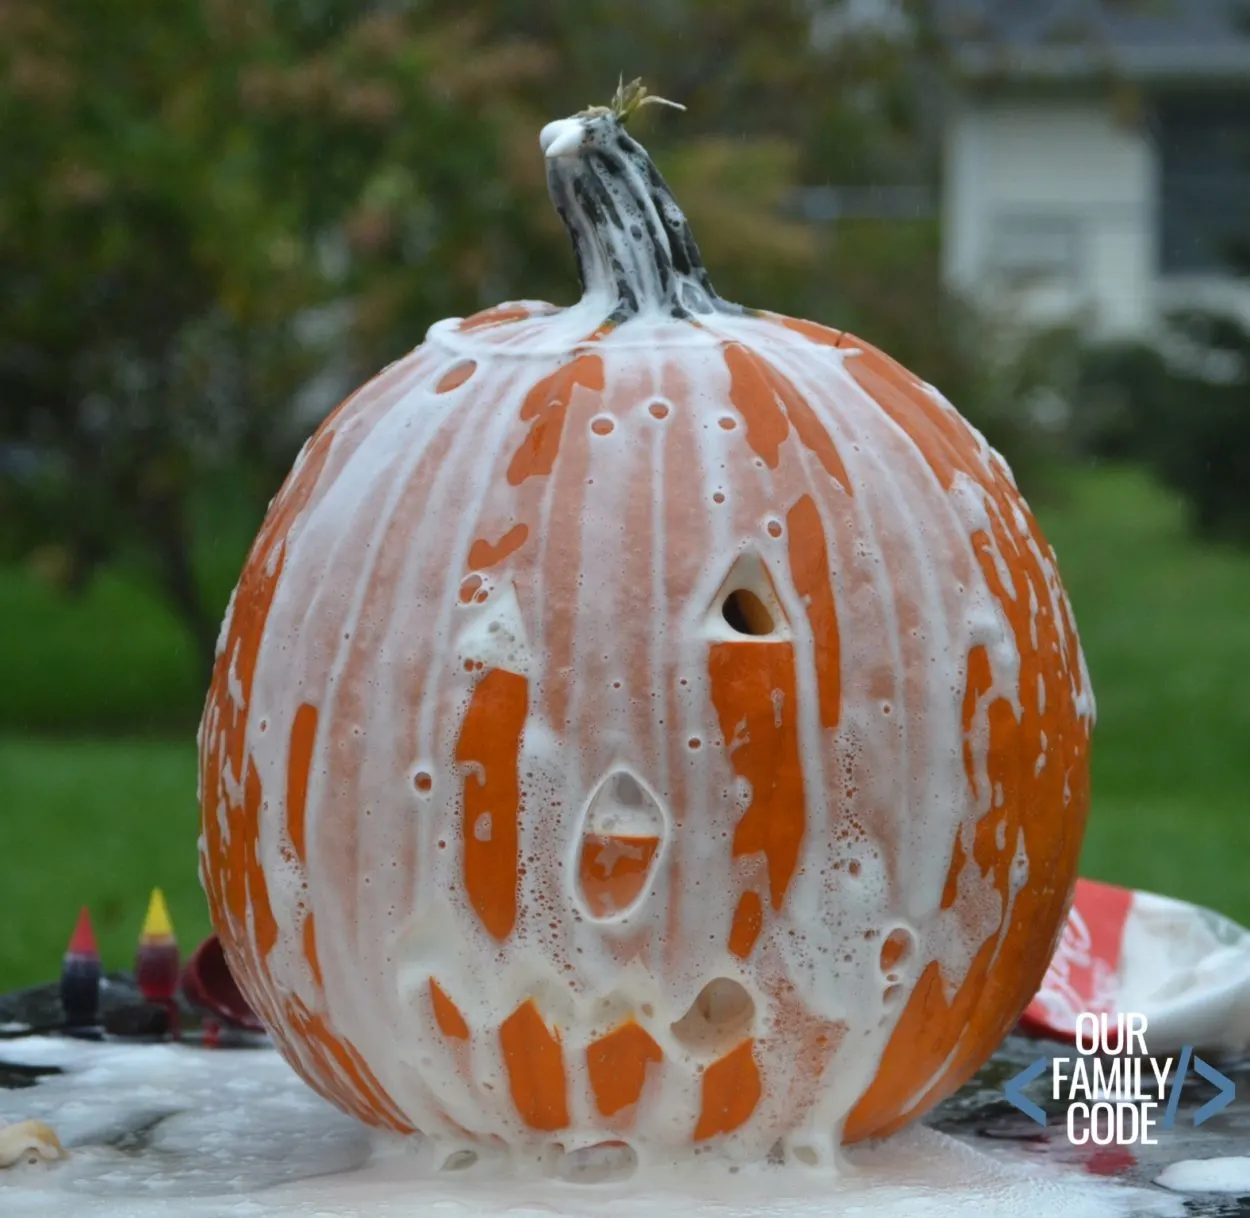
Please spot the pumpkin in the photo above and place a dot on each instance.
(652, 721)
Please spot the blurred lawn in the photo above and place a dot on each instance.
(114, 660)
(100, 822)
(1165, 623)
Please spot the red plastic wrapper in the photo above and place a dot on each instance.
(1185, 968)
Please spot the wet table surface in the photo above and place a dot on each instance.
(978, 1114)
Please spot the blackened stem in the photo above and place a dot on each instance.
(633, 245)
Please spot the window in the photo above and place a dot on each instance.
(1035, 251)
(1204, 157)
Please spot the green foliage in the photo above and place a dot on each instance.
(115, 658)
(109, 661)
(187, 211)
(1183, 409)
(887, 275)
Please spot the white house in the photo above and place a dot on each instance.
(1096, 157)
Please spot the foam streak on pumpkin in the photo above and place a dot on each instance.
(651, 720)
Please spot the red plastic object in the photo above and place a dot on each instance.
(82, 942)
(208, 984)
(1084, 969)
(80, 976)
(1185, 969)
(156, 971)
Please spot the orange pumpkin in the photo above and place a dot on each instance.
(652, 720)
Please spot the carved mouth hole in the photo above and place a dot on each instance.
(719, 1018)
(746, 613)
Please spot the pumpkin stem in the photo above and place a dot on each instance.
(633, 245)
(629, 98)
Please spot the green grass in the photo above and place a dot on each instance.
(1165, 624)
(113, 660)
(1166, 628)
(116, 660)
(95, 822)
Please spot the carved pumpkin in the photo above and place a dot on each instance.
(654, 720)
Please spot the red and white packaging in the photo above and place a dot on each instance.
(1186, 969)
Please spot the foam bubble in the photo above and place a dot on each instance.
(1230, 1174)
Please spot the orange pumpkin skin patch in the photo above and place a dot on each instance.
(651, 720)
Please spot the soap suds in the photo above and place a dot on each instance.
(1230, 1174)
(235, 1134)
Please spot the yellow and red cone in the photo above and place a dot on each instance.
(157, 959)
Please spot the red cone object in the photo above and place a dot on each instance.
(80, 976)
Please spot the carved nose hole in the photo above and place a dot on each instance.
(746, 613)
(627, 791)
(719, 1018)
(621, 835)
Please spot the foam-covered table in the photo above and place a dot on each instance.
(232, 1133)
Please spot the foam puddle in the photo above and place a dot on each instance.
(157, 1130)
(1230, 1174)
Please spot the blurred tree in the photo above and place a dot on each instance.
(192, 191)
(771, 104)
(221, 215)
(1182, 408)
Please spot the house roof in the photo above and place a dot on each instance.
(1144, 40)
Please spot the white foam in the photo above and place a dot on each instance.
(234, 1134)
(1190, 974)
(1223, 1175)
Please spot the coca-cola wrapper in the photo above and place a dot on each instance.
(1186, 969)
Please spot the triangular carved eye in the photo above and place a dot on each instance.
(746, 605)
(493, 633)
(622, 836)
